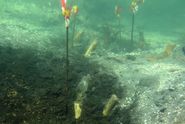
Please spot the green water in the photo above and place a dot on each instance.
(33, 86)
(32, 18)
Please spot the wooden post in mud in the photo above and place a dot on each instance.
(119, 24)
(132, 31)
(67, 69)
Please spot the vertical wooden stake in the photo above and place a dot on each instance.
(132, 32)
(67, 68)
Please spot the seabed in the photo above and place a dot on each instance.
(147, 77)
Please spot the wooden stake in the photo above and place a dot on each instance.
(132, 32)
(67, 69)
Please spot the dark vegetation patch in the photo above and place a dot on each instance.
(33, 87)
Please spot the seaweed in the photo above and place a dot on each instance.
(168, 50)
(35, 93)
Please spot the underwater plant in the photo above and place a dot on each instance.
(91, 47)
(77, 38)
(141, 40)
(113, 100)
(168, 50)
(81, 94)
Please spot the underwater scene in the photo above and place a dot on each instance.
(92, 62)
